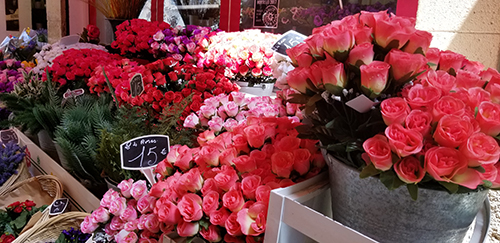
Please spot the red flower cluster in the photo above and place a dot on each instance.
(133, 36)
(221, 189)
(7, 238)
(119, 73)
(76, 64)
(18, 207)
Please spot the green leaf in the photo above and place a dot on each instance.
(431, 64)
(61, 238)
(476, 110)
(314, 99)
(368, 171)
(189, 239)
(330, 124)
(204, 224)
(479, 168)
(21, 220)
(390, 180)
(487, 183)
(333, 89)
(451, 187)
(413, 190)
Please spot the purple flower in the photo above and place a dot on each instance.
(318, 21)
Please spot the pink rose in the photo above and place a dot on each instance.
(152, 224)
(297, 79)
(447, 105)
(449, 59)
(419, 121)
(190, 207)
(300, 55)
(167, 212)
(131, 225)
(139, 189)
(468, 80)
(390, 30)
(232, 226)
(252, 223)
(496, 181)
(126, 237)
(421, 97)
(87, 226)
(433, 55)
(476, 96)
(282, 163)
(233, 200)
(439, 79)
(129, 214)
(480, 149)
(215, 123)
(488, 117)
(244, 163)
(490, 173)
(302, 161)
(249, 184)
(394, 110)
(231, 109)
(108, 197)
(226, 156)
(116, 224)
(288, 143)
(494, 89)
(452, 131)
(361, 54)
(262, 193)
(337, 40)
(212, 234)
(409, 170)
(191, 181)
(315, 44)
(255, 135)
(210, 202)
(158, 188)
(447, 164)
(219, 217)
(404, 142)
(191, 121)
(226, 178)
(164, 168)
(404, 65)
(240, 143)
(146, 204)
(125, 187)
(100, 215)
(374, 76)
(379, 151)
(419, 42)
(117, 206)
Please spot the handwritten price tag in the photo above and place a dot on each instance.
(136, 85)
(290, 39)
(144, 152)
(8, 136)
(58, 206)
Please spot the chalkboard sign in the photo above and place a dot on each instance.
(73, 93)
(58, 206)
(136, 85)
(144, 152)
(290, 39)
(265, 13)
(8, 136)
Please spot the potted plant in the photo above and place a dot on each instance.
(414, 119)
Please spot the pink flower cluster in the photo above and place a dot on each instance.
(221, 189)
(241, 54)
(223, 112)
(126, 216)
(448, 119)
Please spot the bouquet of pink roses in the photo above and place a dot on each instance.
(370, 86)
(220, 190)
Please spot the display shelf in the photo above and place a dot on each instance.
(41, 164)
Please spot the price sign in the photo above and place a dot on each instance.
(8, 136)
(58, 206)
(265, 13)
(144, 152)
(290, 39)
(136, 85)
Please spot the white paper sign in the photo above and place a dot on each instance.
(361, 104)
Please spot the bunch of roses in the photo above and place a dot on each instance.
(223, 112)
(244, 55)
(11, 72)
(221, 189)
(49, 52)
(18, 207)
(74, 64)
(448, 121)
(167, 82)
(132, 36)
(119, 73)
(11, 155)
(181, 43)
(126, 216)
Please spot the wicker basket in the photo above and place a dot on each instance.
(50, 230)
(22, 174)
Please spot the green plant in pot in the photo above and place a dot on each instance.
(407, 130)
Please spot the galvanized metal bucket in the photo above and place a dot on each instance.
(368, 207)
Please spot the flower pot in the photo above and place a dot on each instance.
(263, 89)
(367, 206)
(47, 145)
(63, 160)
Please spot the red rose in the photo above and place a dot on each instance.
(394, 110)
(169, 96)
(244, 163)
(302, 162)
(93, 32)
(232, 226)
(404, 142)
(178, 98)
(378, 150)
(282, 163)
(255, 135)
(409, 170)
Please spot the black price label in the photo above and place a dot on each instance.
(58, 206)
(144, 152)
(136, 85)
(266, 13)
(8, 136)
(290, 39)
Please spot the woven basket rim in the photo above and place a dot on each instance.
(21, 168)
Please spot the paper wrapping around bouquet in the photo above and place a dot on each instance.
(32, 191)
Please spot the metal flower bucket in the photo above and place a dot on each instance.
(368, 207)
